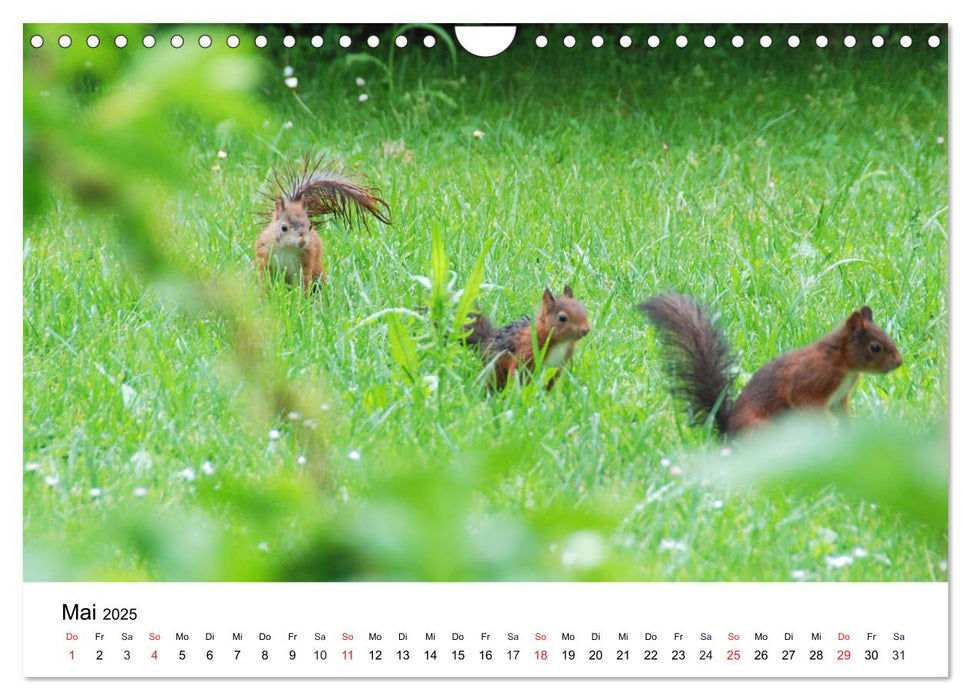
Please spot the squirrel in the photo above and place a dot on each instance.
(559, 323)
(821, 374)
(290, 243)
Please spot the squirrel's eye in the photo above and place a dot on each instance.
(875, 348)
(562, 318)
(284, 227)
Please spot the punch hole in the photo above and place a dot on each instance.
(37, 41)
(344, 41)
(569, 41)
(738, 42)
(933, 41)
(64, 41)
(541, 41)
(849, 41)
(205, 41)
(709, 41)
(766, 41)
(121, 41)
(681, 41)
(260, 41)
(289, 41)
(653, 41)
(232, 41)
(822, 42)
(148, 41)
(93, 41)
(316, 41)
(793, 41)
(597, 41)
(877, 41)
(373, 41)
(485, 41)
(429, 41)
(176, 41)
(906, 41)
(401, 41)
(626, 41)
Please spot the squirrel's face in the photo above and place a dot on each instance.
(872, 350)
(565, 316)
(291, 225)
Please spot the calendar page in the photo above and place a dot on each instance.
(429, 350)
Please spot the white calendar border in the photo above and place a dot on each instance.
(828, 11)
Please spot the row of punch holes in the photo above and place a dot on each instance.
(569, 41)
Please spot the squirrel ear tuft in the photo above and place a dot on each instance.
(568, 291)
(279, 208)
(867, 313)
(547, 299)
(856, 321)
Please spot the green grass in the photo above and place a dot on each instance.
(782, 188)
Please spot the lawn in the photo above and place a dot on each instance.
(185, 421)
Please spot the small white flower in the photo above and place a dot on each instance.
(52, 479)
(477, 135)
(288, 71)
(301, 460)
(293, 415)
(274, 434)
(859, 552)
(31, 466)
(291, 82)
(324, 407)
(287, 125)
(797, 574)
(354, 455)
(263, 547)
(221, 154)
(188, 474)
(207, 468)
(95, 493)
(431, 381)
(873, 506)
(717, 504)
(675, 470)
(940, 139)
(360, 82)
(673, 546)
(140, 492)
(838, 561)
(362, 97)
(310, 423)
(665, 462)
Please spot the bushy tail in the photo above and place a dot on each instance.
(700, 356)
(480, 330)
(326, 191)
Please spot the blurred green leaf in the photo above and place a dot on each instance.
(403, 348)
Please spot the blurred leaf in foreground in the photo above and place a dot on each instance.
(890, 465)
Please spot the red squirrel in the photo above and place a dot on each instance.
(290, 244)
(821, 374)
(560, 322)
